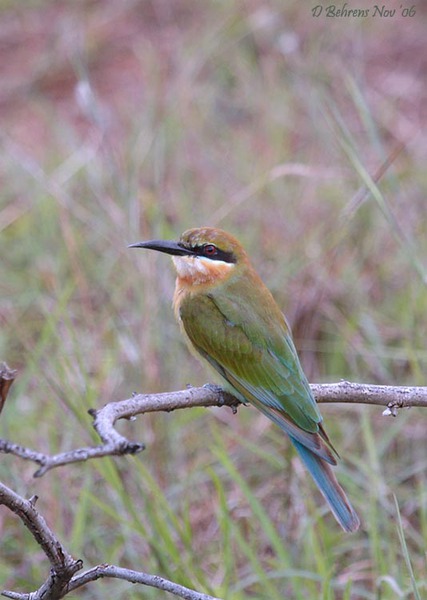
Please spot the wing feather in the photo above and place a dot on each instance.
(267, 373)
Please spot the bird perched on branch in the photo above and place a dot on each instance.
(232, 321)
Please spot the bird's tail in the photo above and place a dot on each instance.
(327, 483)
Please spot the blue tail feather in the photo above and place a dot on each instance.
(327, 483)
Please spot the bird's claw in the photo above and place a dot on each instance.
(391, 410)
(212, 387)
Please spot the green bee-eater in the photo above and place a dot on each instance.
(232, 321)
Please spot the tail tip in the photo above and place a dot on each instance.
(351, 524)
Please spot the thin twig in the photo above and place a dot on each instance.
(136, 577)
(63, 565)
(391, 398)
(62, 578)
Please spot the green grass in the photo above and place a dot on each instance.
(200, 115)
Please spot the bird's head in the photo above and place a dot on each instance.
(202, 255)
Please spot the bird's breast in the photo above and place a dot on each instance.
(197, 275)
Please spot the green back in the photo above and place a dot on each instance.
(240, 330)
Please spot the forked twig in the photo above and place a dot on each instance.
(391, 398)
(62, 578)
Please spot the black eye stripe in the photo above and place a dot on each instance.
(218, 255)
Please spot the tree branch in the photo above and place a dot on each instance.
(115, 444)
(63, 564)
(62, 579)
(392, 397)
(136, 577)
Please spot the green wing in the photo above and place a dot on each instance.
(259, 361)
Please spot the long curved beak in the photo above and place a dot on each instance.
(174, 248)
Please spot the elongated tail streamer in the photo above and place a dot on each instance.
(327, 483)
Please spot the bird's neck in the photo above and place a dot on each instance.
(197, 275)
(196, 271)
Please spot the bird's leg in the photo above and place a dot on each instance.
(217, 389)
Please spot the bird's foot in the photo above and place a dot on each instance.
(225, 397)
(212, 387)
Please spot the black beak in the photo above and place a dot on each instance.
(174, 248)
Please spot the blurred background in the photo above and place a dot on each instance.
(132, 120)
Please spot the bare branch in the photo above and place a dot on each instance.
(63, 565)
(137, 577)
(392, 397)
(114, 444)
(62, 579)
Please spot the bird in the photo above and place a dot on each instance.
(231, 321)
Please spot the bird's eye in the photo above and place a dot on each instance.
(210, 250)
